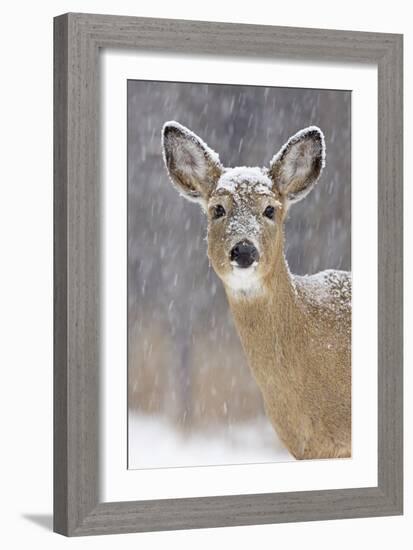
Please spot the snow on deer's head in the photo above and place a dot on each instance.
(245, 206)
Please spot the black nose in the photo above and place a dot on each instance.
(244, 254)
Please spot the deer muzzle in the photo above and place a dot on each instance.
(244, 254)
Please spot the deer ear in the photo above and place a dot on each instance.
(194, 168)
(297, 166)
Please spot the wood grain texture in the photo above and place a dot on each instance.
(60, 485)
(390, 273)
(78, 39)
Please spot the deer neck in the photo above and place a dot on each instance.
(266, 320)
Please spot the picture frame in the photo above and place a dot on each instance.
(78, 39)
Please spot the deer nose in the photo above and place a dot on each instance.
(244, 254)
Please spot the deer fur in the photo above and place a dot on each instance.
(295, 330)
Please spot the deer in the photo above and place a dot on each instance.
(295, 330)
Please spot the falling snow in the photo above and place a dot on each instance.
(187, 370)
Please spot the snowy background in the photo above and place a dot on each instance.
(192, 400)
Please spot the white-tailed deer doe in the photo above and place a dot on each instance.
(295, 330)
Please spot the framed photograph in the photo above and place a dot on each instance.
(228, 274)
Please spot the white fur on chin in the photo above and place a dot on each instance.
(243, 282)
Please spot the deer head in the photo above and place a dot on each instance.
(245, 206)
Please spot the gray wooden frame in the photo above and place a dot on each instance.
(78, 39)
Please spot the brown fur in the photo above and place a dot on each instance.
(299, 353)
(295, 331)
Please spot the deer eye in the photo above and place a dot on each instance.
(269, 212)
(218, 211)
